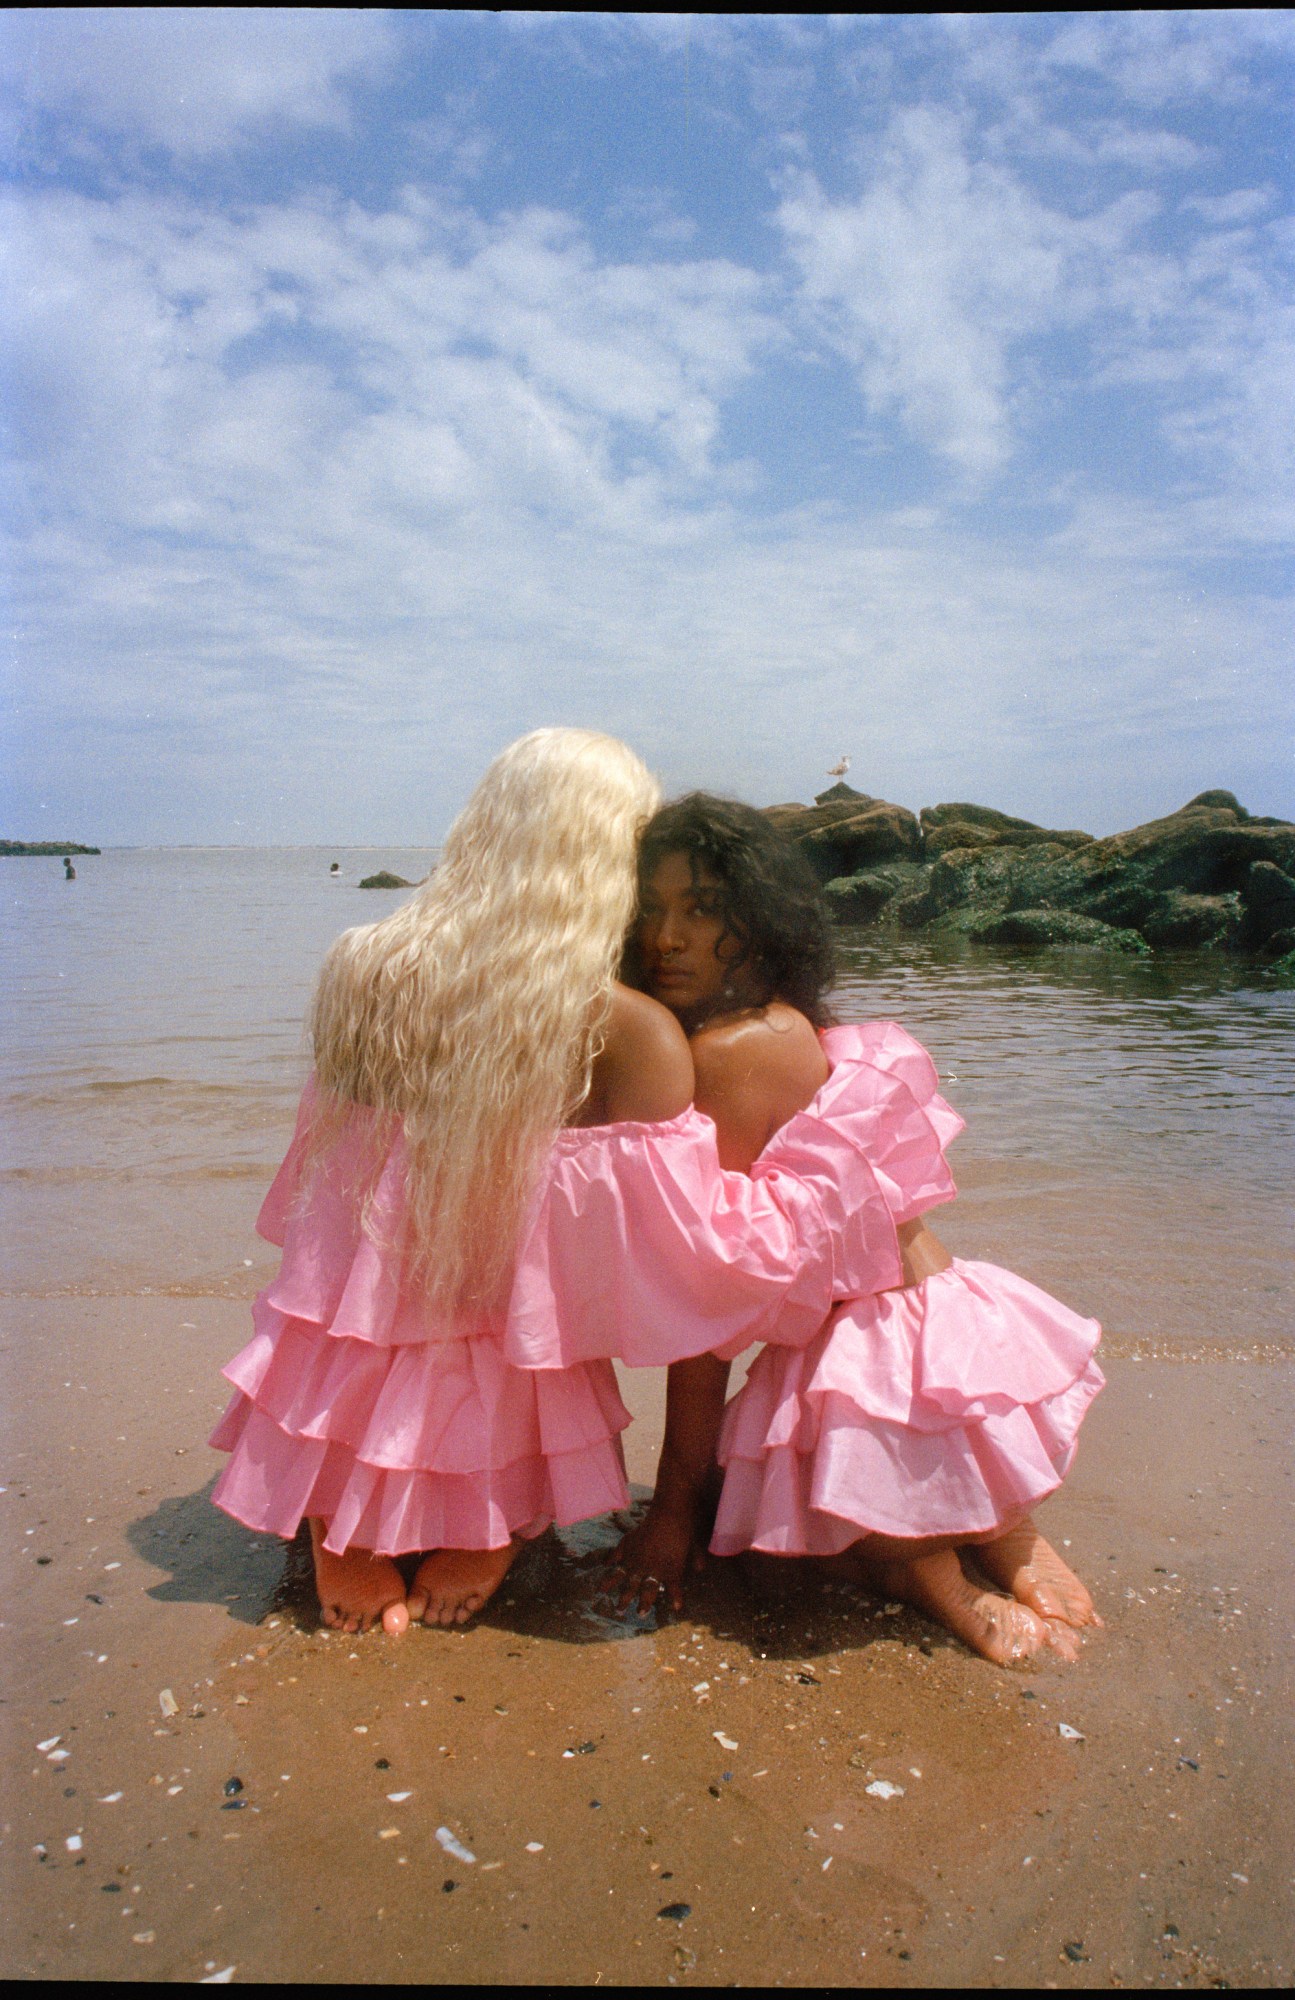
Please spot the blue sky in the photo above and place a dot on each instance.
(380, 385)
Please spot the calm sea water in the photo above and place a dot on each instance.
(1129, 1136)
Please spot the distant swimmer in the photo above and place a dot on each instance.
(69, 872)
(336, 868)
(839, 769)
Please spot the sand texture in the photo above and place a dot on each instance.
(616, 1837)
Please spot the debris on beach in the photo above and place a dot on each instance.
(224, 1978)
(535, 1847)
(168, 1704)
(881, 1788)
(725, 1742)
(453, 1846)
(398, 1798)
(676, 1912)
(232, 1787)
(48, 1745)
(1070, 1735)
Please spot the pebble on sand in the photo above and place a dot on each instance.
(453, 1846)
(1070, 1735)
(168, 1704)
(881, 1788)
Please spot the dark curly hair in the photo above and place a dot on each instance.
(769, 899)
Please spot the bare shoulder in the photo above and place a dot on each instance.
(640, 1025)
(776, 1047)
(644, 1071)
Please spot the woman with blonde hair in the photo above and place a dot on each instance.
(496, 1183)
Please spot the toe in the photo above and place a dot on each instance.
(1063, 1639)
(395, 1619)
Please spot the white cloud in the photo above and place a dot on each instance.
(194, 79)
(326, 504)
(1159, 58)
(927, 278)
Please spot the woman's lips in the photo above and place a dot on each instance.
(671, 975)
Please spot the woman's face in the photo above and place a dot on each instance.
(680, 926)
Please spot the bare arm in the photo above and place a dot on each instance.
(922, 1252)
(751, 1077)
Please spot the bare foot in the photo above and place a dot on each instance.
(997, 1628)
(358, 1589)
(451, 1585)
(1022, 1562)
(653, 1559)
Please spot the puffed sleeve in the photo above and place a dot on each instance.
(642, 1248)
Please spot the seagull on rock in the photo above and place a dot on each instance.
(839, 769)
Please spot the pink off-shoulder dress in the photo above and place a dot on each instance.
(948, 1408)
(355, 1403)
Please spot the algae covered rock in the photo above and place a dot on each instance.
(384, 879)
(1056, 927)
(1210, 876)
(1268, 895)
(843, 835)
(861, 898)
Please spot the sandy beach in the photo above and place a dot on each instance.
(687, 1804)
(200, 1783)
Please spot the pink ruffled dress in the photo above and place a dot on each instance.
(950, 1407)
(355, 1403)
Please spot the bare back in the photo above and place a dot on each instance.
(755, 1070)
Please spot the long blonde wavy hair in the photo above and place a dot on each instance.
(473, 1013)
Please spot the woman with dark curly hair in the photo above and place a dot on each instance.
(927, 1413)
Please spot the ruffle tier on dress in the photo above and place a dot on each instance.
(355, 1404)
(946, 1408)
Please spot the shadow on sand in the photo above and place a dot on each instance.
(781, 1607)
(210, 1559)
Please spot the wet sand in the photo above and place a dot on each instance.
(616, 1838)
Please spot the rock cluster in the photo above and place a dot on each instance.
(1210, 876)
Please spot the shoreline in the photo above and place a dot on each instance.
(1159, 1847)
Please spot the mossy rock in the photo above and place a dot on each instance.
(864, 897)
(384, 879)
(1057, 927)
(1193, 922)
